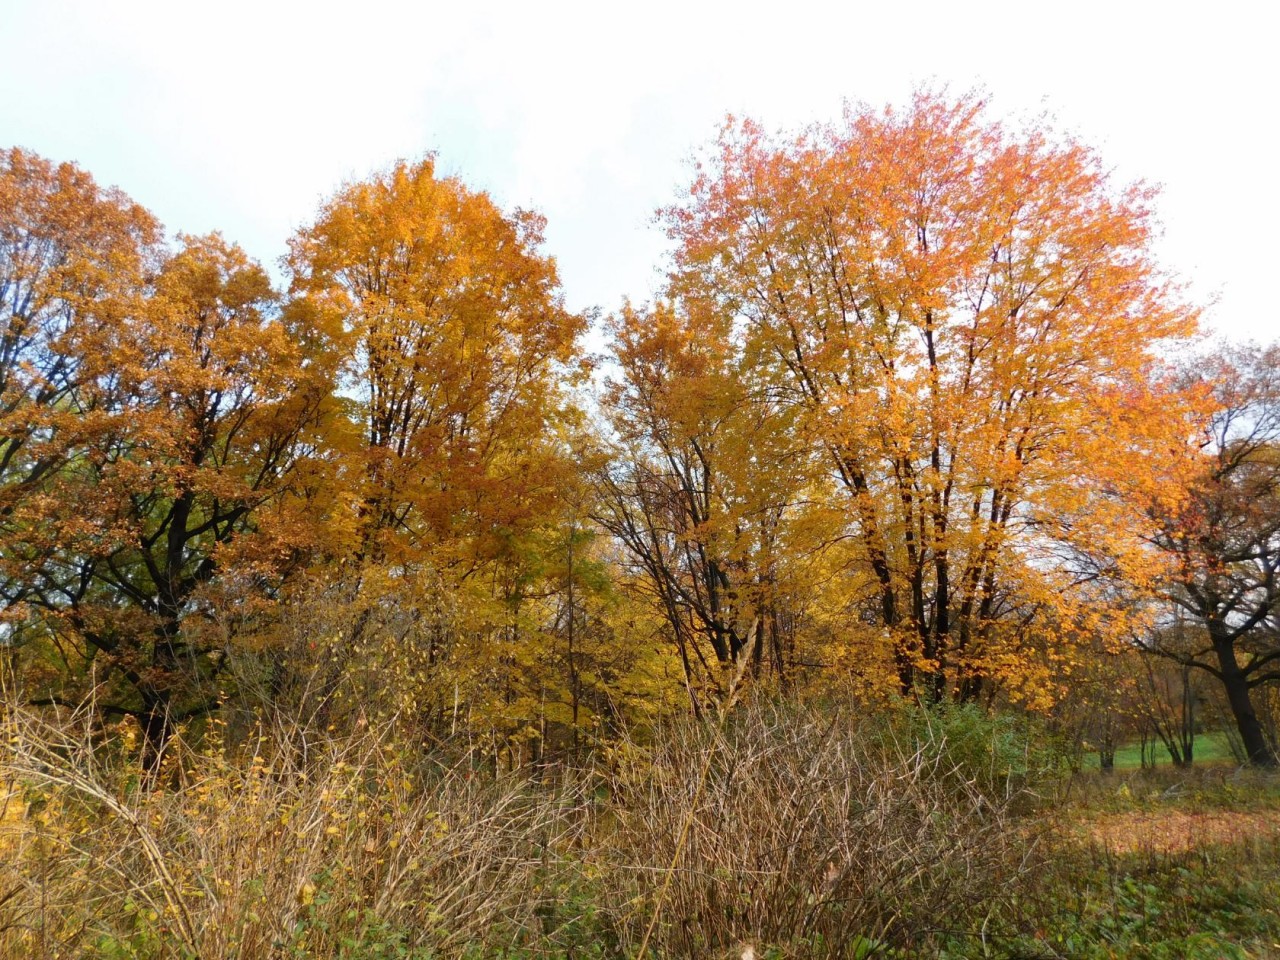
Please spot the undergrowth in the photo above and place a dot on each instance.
(785, 831)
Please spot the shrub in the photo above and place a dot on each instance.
(1000, 753)
(353, 853)
(803, 831)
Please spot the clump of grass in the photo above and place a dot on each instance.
(1199, 788)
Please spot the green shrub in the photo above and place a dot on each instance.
(999, 753)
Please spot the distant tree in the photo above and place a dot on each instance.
(1166, 695)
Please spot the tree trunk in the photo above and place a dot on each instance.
(158, 697)
(1236, 685)
(157, 729)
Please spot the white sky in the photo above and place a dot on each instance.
(242, 116)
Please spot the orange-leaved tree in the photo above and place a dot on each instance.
(456, 349)
(959, 309)
(164, 470)
(454, 341)
(72, 262)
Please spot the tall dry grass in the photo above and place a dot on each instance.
(791, 828)
(352, 853)
(813, 833)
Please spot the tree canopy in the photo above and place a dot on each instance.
(901, 423)
(957, 311)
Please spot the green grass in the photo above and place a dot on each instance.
(1088, 905)
(1212, 747)
(1090, 895)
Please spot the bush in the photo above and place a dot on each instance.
(1001, 754)
(804, 832)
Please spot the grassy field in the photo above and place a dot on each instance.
(1212, 747)
(1157, 864)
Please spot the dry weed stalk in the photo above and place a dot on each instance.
(805, 829)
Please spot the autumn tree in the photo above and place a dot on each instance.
(454, 337)
(72, 260)
(957, 309)
(455, 350)
(1222, 537)
(161, 414)
(579, 659)
(203, 482)
(705, 488)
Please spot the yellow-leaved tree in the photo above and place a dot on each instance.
(960, 312)
(456, 353)
(715, 497)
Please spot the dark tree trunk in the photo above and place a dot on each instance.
(158, 695)
(157, 729)
(1236, 685)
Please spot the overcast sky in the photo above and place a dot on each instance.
(243, 116)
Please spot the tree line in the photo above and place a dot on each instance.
(907, 420)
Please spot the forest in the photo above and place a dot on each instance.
(378, 605)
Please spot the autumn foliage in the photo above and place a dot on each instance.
(899, 426)
(950, 315)
(359, 610)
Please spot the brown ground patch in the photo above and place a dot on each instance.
(1174, 831)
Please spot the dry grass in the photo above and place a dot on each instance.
(1176, 831)
(809, 835)
(351, 854)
